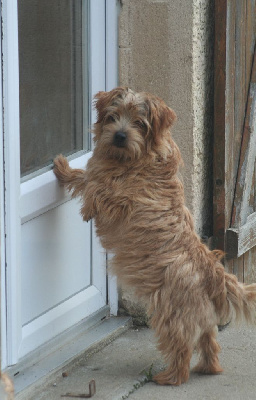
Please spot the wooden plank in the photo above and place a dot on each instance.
(240, 94)
(240, 77)
(252, 193)
(250, 46)
(249, 266)
(254, 184)
(238, 268)
(250, 39)
(247, 157)
(229, 265)
(240, 240)
(240, 42)
(219, 122)
(231, 243)
(247, 235)
(231, 159)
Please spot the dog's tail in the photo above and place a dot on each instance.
(242, 299)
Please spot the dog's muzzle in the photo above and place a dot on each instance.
(119, 139)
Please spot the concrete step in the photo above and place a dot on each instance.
(33, 375)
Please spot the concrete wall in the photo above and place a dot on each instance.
(166, 47)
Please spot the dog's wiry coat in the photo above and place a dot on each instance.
(132, 190)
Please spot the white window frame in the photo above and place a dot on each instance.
(14, 211)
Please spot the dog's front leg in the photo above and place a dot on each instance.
(73, 179)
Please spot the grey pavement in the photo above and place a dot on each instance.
(119, 371)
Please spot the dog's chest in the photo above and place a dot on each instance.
(121, 201)
(115, 198)
(131, 208)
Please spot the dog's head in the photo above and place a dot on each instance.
(131, 125)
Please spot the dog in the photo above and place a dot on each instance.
(132, 190)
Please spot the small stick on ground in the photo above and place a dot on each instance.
(92, 391)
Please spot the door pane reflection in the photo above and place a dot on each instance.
(53, 77)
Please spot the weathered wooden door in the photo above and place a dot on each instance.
(235, 135)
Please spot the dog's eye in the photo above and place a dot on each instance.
(110, 119)
(140, 124)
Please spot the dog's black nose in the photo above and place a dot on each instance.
(119, 139)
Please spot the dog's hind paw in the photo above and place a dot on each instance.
(171, 378)
(212, 369)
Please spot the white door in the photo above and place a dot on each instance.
(54, 59)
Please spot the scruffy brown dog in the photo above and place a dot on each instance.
(132, 190)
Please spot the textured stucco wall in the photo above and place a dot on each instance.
(166, 47)
(155, 40)
(202, 95)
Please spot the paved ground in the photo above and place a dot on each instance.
(119, 371)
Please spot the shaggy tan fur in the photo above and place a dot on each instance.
(132, 190)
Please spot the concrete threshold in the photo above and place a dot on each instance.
(33, 374)
(122, 370)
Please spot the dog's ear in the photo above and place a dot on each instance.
(161, 119)
(105, 99)
(102, 100)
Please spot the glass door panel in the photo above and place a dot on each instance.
(53, 54)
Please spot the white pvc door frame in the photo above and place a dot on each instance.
(104, 77)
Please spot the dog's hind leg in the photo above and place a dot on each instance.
(209, 349)
(177, 371)
(177, 352)
(73, 179)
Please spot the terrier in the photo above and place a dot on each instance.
(132, 190)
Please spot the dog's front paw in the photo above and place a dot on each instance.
(87, 213)
(61, 168)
